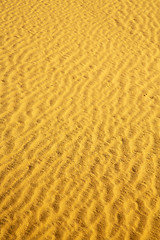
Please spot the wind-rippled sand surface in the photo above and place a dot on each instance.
(80, 120)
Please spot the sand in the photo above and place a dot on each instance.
(80, 119)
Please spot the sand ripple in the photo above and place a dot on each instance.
(79, 120)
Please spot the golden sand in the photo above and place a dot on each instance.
(80, 119)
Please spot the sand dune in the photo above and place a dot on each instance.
(80, 120)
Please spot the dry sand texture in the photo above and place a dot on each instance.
(79, 115)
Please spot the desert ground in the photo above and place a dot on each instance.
(80, 120)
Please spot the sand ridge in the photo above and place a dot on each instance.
(79, 120)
